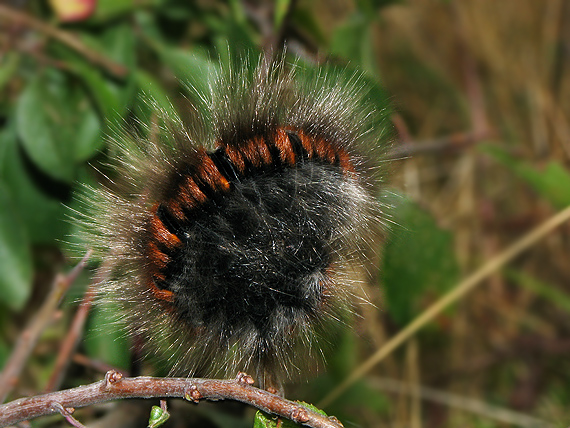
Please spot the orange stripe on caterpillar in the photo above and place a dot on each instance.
(209, 174)
(165, 295)
(283, 144)
(345, 162)
(257, 152)
(307, 143)
(235, 157)
(324, 150)
(157, 258)
(159, 231)
(175, 208)
(190, 195)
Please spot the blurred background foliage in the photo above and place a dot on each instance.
(480, 106)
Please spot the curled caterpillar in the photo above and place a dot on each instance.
(235, 242)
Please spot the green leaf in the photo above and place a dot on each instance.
(8, 66)
(551, 182)
(103, 92)
(418, 260)
(113, 97)
(158, 416)
(154, 93)
(107, 10)
(118, 42)
(40, 117)
(83, 131)
(42, 214)
(88, 137)
(57, 125)
(238, 13)
(106, 341)
(16, 265)
(281, 8)
(313, 408)
(193, 69)
(264, 420)
(234, 38)
(146, 22)
(236, 47)
(303, 17)
(353, 42)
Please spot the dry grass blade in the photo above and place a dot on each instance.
(454, 295)
(467, 404)
(29, 337)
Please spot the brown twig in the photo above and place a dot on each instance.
(64, 37)
(449, 143)
(75, 332)
(92, 364)
(66, 413)
(32, 332)
(163, 405)
(116, 387)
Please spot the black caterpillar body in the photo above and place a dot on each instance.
(237, 241)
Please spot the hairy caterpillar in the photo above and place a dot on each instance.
(235, 241)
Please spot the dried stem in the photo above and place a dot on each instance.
(116, 387)
(64, 37)
(501, 414)
(447, 144)
(28, 338)
(92, 364)
(74, 334)
(66, 413)
(459, 291)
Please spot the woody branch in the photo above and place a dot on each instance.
(116, 387)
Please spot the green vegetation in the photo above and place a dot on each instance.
(479, 93)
